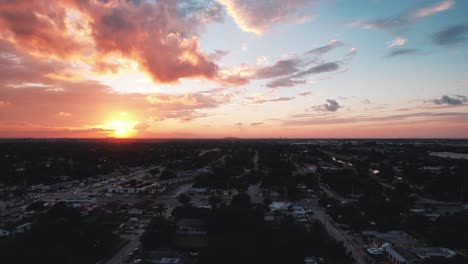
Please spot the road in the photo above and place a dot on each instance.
(170, 197)
(335, 195)
(255, 194)
(353, 244)
(255, 160)
(124, 252)
(170, 200)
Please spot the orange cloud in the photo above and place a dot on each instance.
(160, 36)
(185, 107)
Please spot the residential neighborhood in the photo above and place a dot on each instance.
(329, 201)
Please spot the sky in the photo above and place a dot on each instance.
(234, 68)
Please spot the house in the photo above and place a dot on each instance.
(191, 226)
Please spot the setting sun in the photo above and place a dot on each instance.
(122, 129)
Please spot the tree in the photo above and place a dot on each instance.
(167, 175)
(161, 209)
(160, 233)
(154, 171)
(184, 199)
(241, 200)
(61, 235)
(214, 201)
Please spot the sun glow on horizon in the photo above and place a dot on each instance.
(122, 128)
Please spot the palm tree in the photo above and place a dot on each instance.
(161, 209)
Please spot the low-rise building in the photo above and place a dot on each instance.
(132, 186)
(80, 202)
(191, 226)
(398, 255)
(392, 238)
(135, 211)
(279, 206)
(429, 252)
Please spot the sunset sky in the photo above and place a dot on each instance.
(233, 68)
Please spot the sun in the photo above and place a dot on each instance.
(122, 128)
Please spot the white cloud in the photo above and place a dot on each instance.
(396, 42)
(256, 16)
(436, 8)
(352, 51)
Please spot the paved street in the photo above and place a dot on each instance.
(169, 198)
(352, 243)
(133, 243)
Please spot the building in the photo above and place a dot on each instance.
(191, 226)
(80, 202)
(299, 211)
(164, 257)
(429, 252)
(135, 211)
(398, 255)
(197, 190)
(132, 186)
(392, 237)
(279, 206)
(311, 168)
(179, 179)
